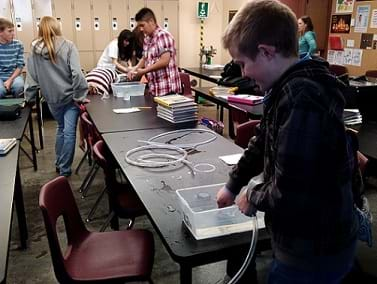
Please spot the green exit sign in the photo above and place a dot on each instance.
(202, 11)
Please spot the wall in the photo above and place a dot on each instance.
(369, 61)
(189, 31)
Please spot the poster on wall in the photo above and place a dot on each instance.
(339, 57)
(331, 56)
(366, 41)
(362, 17)
(340, 23)
(232, 13)
(347, 56)
(373, 20)
(357, 56)
(344, 6)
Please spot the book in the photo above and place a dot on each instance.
(6, 145)
(177, 120)
(246, 99)
(175, 100)
(180, 110)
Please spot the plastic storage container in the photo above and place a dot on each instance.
(131, 88)
(204, 219)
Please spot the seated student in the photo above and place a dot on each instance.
(117, 52)
(11, 61)
(99, 81)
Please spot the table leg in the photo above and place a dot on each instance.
(20, 208)
(186, 274)
(32, 142)
(39, 120)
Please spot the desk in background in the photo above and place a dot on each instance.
(212, 76)
(106, 121)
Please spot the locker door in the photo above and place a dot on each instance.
(62, 10)
(5, 10)
(24, 22)
(156, 6)
(41, 8)
(84, 32)
(120, 15)
(134, 7)
(170, 15)
(101, 17)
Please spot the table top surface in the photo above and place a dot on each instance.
(156, 188)
(206, 74)
(15, 128)
(367, 135)
(8, 165)
(107, 121)
(362, 84)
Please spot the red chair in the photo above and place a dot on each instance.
(245, 131)
(118, 256)
(371, 74)
(341, 72)
(123, 201)
(185, 80)
(91, 137)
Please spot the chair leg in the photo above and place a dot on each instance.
(114, 223)
(82, 161)
(86, 187)
(94, 208)
(87, 177)
(107, 222)
(131, 223)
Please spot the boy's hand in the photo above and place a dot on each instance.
(225, 197)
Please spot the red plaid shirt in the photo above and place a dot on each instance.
(165, 80)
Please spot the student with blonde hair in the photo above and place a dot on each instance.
(54, 67)
(11, 61)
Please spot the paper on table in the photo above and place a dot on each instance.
(231, 159)
(126, 110)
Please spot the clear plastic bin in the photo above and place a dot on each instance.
(131, 88)
(204, 219)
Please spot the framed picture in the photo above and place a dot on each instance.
(341, 23)
(231, 15)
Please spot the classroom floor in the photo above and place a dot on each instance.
(34, 264)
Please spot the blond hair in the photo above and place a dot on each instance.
(49, 29)
(5, 23)
(258, 22)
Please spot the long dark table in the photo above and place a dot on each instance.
(10, 193)
(251, 111)
(205, 74)
(156, 189)
(106, 121)
(16, 129)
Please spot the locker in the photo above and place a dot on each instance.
(5, 10)
(62, 10)
(170, 12)
(134, 6)
(101, 17)
(23, 17)
(120, 14)
(87, 60)
(83, 25)
(156, 7)
(41, 8)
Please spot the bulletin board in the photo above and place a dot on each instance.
(358, 40)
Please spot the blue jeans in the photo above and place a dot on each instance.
(281, 273)
(66, 116)
(16, 89)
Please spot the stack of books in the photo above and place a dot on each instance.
(6, 145)
(177, 108)
(352, 117)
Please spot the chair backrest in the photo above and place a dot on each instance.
(245, 131)
(185, 79)
(341, 72)
(371, 73)
(105, 160)
(90, 133)
(55, 200)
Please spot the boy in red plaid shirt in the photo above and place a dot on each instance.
(159, 57)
